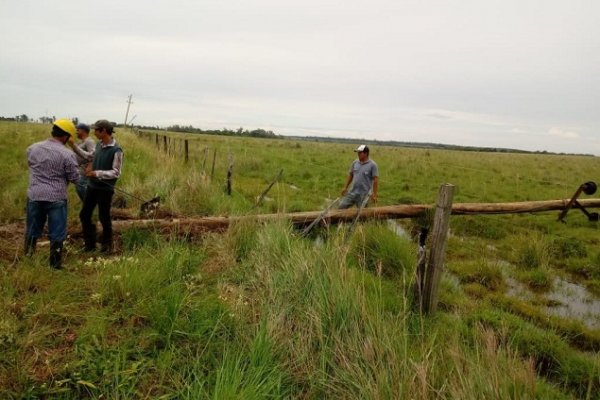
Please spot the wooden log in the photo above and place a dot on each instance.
(337, 216)
(439, 235)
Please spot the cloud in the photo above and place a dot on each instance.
(562, 133)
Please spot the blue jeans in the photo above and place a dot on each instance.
(56, 214)
(81, 187)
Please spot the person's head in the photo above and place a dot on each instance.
(83, 130)
(102, 128)
(63, 129)
(363, 152)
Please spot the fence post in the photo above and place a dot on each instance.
(229, 173)
(187, 157)
(439, 237)
(165, 144)
(204, 160)
(212, 171)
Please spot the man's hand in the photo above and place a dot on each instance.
(374, 197)
(89, 172)
(71, 141)
(344, 192)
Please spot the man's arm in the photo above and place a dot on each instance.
(72, 170)
(375, 188)
(114, 172)
(348, 182)
(86, 155)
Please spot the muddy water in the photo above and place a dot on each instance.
(395, 227)
(574, 301)
(569, 300)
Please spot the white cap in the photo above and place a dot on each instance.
(362, 147)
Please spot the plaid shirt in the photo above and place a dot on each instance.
(51, 167)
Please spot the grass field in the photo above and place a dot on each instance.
(259, 312)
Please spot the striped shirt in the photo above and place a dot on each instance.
(51, 167)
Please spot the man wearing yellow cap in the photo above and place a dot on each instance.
(51, 167)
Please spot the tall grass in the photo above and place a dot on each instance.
(345, 333)
(260, 312)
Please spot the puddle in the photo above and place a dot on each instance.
(570, 300)
(517, 289)
(574, 301)
(397, 228)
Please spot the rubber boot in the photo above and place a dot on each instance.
(106, 246)
(30, 243)
(89, 239)
(56, 249)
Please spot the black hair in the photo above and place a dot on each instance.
(57, 132)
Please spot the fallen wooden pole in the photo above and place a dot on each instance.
(337, 216)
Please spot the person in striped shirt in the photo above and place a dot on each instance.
(51, 167)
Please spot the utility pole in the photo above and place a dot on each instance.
(129, 103)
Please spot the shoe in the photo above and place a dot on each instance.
(30, 243)
(55, 258)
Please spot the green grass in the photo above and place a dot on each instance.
(260, 312)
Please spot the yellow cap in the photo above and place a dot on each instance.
(66, 125)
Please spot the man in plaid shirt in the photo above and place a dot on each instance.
(51, 167)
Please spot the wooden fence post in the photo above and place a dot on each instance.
(156, 137)
(204, 160)
(187, 157)
(212, 171)
(165, 144)
(439, 235)
(229, 173)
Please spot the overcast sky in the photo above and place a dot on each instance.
(510, 73)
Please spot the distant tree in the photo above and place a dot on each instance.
(75, 120)
(22, 118)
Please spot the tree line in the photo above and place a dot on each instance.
(257, 133)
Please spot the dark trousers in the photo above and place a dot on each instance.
(102, 198)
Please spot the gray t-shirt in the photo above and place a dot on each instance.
(87, 149)
(362, 176)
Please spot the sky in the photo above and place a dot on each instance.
(512, 73)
